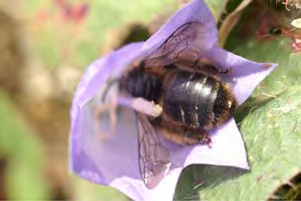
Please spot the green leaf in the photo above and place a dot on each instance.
(58, 40)
(272, 136)
(85, 190)
(245, 41)
(18, 144)
(217, 7)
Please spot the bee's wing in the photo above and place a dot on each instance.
(154, 161)
(184, 45)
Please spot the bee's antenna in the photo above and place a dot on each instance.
(110, 83)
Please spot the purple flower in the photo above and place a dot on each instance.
(114, 161)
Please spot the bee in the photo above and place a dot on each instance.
(192, 102)
(187, 97)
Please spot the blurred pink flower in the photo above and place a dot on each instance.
(114, 161)
(70, 12)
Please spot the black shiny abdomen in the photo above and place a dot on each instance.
(193, 100)
(190, 98)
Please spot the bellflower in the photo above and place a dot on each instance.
(114, 161)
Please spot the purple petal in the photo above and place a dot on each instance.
(117, 160)
(227, 149)
(110, 66)
(114, 162)
(95, 77)
(195, 11)
(137, 191)
(244, 75)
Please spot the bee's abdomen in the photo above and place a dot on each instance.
(190, 98)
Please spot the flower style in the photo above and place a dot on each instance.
(114, 161)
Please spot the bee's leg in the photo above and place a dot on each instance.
(177, 137)
(141, 105)
(106, 108)
(199, 136)
(206, 140)
(183, 136)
